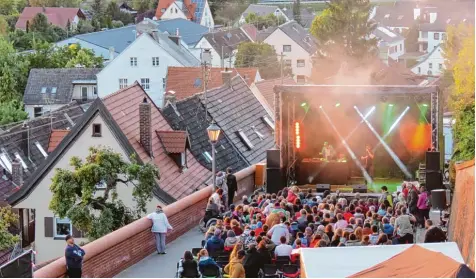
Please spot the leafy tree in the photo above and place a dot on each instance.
(343, 28)
(262, 22)
(97, 213)
(39, 23)
(411, 39)
(7, 7)
(48, 56)
(13, 72)
(7, 219)
(297, 11)
(116, 14)
(260, 55)
(97, 7)
(11, 112)
(142, 5)
(117, 24)
(84, 26)
(3, 26)
(12, 20)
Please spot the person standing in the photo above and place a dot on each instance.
(422, 205)
(232, 185)
(74, 258)
(220, 182)
(160, 226)
(368, 160)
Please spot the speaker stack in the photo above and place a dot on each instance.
(274, 176)
(433, 177)
(361, 188)
(321, 188)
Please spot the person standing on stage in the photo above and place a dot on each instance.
(326, 151)
(368, 160)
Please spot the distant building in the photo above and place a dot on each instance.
(197, 11)
(262, 10)
(391, 43)
(60, 17)
(433, 64)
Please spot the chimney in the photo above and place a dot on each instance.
(175, 38)
(416, 13)
(169, 97)
(111, 54)
(226, 77)
(145, 119)
(17, 173)
(25, 142)
(432, 17)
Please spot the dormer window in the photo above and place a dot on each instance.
(175, 144)
(207, 156)
(245, 139)
(268, 122)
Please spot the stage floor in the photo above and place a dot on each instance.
(391, 184)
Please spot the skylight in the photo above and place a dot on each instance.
(268, 122)
(17, 155)
(43, 90)
(6, 163)
(53, 90)
(42, 151)
(260, 135)
(207, 156)
(245, 139)
(69, 119)
(387, 16)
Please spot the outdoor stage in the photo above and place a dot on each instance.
(399, 123)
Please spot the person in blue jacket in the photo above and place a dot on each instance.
(74, 258)
(215, 243)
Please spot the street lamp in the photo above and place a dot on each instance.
(213, 134)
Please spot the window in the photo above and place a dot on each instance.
(207, 156)
(443, 36)
(260, 135)
(84, 93)
(300, 79)
(155, 61)
(40, 148)
(183, 160)
(288, 63)
(268, 122)
(17, 155)
(440, 66)
(96, 130)
(286, 48)
(419, 70)
(71, 122)
(63, 227)
(53, 90)
(122, 83)
(43, 90)
(95, 90)
(301, 63)
(436, 36)
(37, 111)
(245, 139)
(6, 163)
(430, 65)
(145, 83)
(430, 72)
(163, 83)
(133, 61)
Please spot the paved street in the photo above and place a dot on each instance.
(164, 266)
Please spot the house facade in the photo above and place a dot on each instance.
(145, 61)
(197, 11)
(432, 65)
(391, 43)
(262, 10)
(297, 46)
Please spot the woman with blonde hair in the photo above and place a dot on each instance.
(210, 232)
(204, 261)
(293, 194)
(358, 233)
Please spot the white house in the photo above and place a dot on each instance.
(197, 11)
(433, 64)
(262, 10)
(146, 61)
(297, 46)
(392, 42)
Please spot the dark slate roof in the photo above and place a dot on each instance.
(62, 79)
(306, 16)
(261, 10)
(189, 114)
(398, 15)
(301, 36)
(236, 109)
(23, 141)
(97, 108)
(228, 39)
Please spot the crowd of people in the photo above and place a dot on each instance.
(266, 227)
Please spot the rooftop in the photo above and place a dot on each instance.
(299, 35)
(227, 41)
(55, 16)
(265, 87)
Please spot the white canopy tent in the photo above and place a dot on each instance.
(339, 262)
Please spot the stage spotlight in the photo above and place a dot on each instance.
(320, 106)
(425, 105)
(304, 104)
(390, 105)
(337, 105)
(298, 135)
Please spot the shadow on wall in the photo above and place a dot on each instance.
(111, 254)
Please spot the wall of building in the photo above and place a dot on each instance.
(216, 56)
(109, 255)
(396, 49)
(461, 228)
(277, 39)
(48, 248)
(173, 11)
(432, 42)
(207, 17)
(144, 48)
(434, 62)
(30, 109)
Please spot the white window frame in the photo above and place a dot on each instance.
(82, 93)
(260, 135)
(245, 139)
(440, 66)
(301, 65)
(145, 83)
(6, 163)
(42, 151)
(95, 90)
(17, 155)
(62, 221)
(133, 61)
(268, 122)
(183, 159)
(430, 65)
(285, 47)
(155, 61)
(288, 62)
(122, 83)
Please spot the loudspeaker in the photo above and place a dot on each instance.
(320, 188)
(273, 159)
(433, 181)
(361, 188)
(274, 180)
(260, 174)
(438, 199)
(432, 161)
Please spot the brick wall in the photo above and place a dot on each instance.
(109, 255)
(461, 229)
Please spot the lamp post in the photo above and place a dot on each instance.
(213, 134)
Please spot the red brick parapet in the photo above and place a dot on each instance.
(111, 254)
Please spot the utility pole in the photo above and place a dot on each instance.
(282, 71)
(206, 61)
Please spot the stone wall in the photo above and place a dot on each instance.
(111, 254)
(461, 228)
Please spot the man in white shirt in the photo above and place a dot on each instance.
(160, 226)
(279, 230)
(283, 249)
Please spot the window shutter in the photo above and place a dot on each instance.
(77, 233)
(48, 226)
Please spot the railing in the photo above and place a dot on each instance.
(17, 251)
(110, 254)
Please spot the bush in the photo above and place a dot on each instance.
(117, 24)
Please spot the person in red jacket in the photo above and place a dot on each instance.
(293, 194)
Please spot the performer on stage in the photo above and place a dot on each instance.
(368, 160)
(327, 151)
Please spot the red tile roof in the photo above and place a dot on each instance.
(56, 16)
(55, 138)
(266, 88)
(187, 81)
(164, 4)
(124, 108)
(251, 31)
(173, 141)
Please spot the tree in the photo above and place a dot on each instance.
(3, 26)
(142, 5)
(39, 23)
(46, 55)
(13, 73)
(262, 22)
(84, 26)
(260, 55)
(7, 7)
(97, 7)
(411, 39)
(343, 28)
(11, 112)
(7, 219)
(117, 24)
(76, 196)
(297, 11)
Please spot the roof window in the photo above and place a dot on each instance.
(400, 17)
(43, 90)
(17, 155)
(5, 161)
(245, 139)
(68, 118)
(260, 135)
(42, 151)
(53, 90)
(268, 122)
(207, 156)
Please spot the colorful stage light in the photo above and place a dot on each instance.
(390, 105)
(397, 121)
(337, 105)
(425, 105)
(304, 104)
(297, 130)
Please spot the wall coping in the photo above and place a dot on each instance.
(57, 268)
(464, 165)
